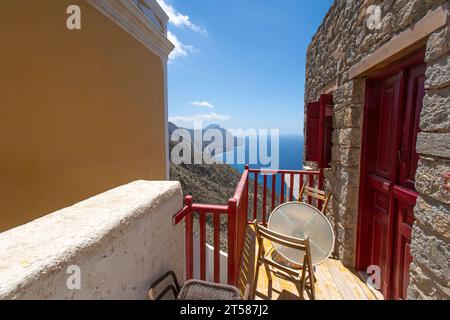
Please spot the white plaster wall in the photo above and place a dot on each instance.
(122, 240)
(209, 257)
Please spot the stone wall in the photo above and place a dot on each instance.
(430, 246)
(121, 241)
(342, 41)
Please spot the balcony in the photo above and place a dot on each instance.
(205, 261)
(114, 245)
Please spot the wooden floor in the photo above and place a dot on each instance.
(334, 280)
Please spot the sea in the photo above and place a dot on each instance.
(290, 156)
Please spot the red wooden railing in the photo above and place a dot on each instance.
(237, 212)
(285, 179)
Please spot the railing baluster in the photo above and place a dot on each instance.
(300, 185)
(216, 222)
(189, 239)
(310, 184)
(291, 187)
(237, 212)
(232, 261)
(202, 245)
(264, 201)
(320, 186)
(274, 186)
(255, 197)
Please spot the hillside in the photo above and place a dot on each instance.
(210, 184)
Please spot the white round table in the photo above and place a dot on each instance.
(301, 220)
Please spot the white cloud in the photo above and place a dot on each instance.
(200, 117)
(205, 104)
(180, 50)
(178, 19)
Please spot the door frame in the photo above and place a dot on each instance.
(362, 254)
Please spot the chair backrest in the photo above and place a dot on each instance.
(295, 243)
(316, 194)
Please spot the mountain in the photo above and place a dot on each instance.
(210, 184)
(229, 141)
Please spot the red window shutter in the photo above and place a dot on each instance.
(325, 130)
(312, 131)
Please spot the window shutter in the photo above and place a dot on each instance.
(325, 130)
(312, 131)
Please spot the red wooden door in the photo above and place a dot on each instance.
(389, 165)
(404, 195)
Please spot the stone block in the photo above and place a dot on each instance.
(423, 287)
(349, 137)
(435, 115)
(429, 178)
(438, 73)
(431, 253)
(433, 217)
(438, 44)
(348, 117)
(434, 144)
(345, 156)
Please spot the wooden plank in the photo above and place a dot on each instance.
(216, 221)
(326, 287)
(342, 285)
(334, 282)
(372, 293)
(352, 280)
(202, 222)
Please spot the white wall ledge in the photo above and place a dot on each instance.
(121, 239)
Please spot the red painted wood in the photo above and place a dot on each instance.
(407, 156)
(405, 202)
(282, 188)
(274, 183)
(388, 164)
(232, 261)
(325, 130)
(312, 131)
(291, 187)
(255, 196)
(237, 213)
(180, 215)
(189, 240)
(269, 171)
(216, 222)
(242, 217)
(300, 185)
(202, 222)
(208, 208)
(383, 171)
(310, 184)
(320, 186)
(264, 200)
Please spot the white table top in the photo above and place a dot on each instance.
(301, 220)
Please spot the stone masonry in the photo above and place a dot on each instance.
(343, 39)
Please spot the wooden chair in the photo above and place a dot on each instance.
(303, 274)
(316, 194)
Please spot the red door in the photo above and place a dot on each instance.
(389, 162)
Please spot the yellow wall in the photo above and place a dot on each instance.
(80, 111)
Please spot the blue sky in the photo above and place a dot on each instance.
(240, 63)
